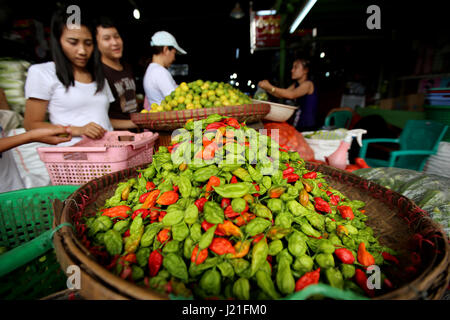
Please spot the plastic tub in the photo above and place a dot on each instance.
(278, 112)
(90, 159)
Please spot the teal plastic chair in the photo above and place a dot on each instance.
(339, 119)
(418, 140)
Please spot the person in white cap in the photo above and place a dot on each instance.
(158, 82)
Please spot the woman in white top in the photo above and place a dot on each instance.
(158, 82)
(72, 87)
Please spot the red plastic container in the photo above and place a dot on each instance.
(90, 159)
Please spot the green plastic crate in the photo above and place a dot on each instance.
(440, 114)
(24, 215)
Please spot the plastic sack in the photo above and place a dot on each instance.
(291, 138)
(430, 192)
(324, 142)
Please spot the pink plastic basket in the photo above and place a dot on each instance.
(90, 159)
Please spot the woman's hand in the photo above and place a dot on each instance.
(91, 130)
(54, 135)
(264, 84)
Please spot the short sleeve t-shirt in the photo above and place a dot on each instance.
(76, 106)
(158, 83)
(123, 89)
(9, 175)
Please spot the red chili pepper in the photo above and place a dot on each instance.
(206, 225)
(154, 214)
(175, 188)
(200, 203)
(212, 182)
(155, 261)
(215, 125)
(163, 235)
(307, 279)
(389, 257)
(161, 215)
(221, 246)
(346, 212)
(170, 148)
(361, 280)
(321, 205)
(292, 177)
(232, 122)
(329, 193)
(257, 238)
(143, 212)
(288, 171)
(310, 175)
(127, 233)
(415, 258)
(225, 203)
(149, 186)
(230, 213)
(320, 184)
(334, 199)
(388, 283)
(198, 259)
(345, 255)
(234, 180)
(117, 211)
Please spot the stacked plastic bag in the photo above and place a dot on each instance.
(13, 73)
(430, 192)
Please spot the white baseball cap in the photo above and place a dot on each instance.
(163, 38)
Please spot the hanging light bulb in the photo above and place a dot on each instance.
(136, 14)
(237, 12)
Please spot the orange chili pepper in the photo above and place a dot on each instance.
(341, 230)
(229, 229)
(212, 182)
(244, 218)
(241, 248)
(221, 246)
(364, 257)
(163, 235)
(276, 192)
(167, 198)
(117, 211)
(151, 199)
(131, 257)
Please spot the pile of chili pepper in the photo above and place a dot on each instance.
(248, 230)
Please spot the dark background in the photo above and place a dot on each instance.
(377, 58)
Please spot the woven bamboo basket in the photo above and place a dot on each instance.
(171, 120)
(396, 220)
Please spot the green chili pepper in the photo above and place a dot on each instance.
(150, 233)
(316, 220)
(203, 174)
(284, 278)
(256, 226)
(242, 174)
(330, 225)
(284, 219)
(309, 230)
(267, 182)
(180, 231)
(255, 174)
(211, 282)
(333, 237)
(98, 238)
(207, 238)
(290, 194)
(176, 266)
(121, 226)
(348, 270)
(349, 243)
(113, 242)
(264, 281)
(191, 214)
(275, 247)
(173, 217)
(136, 273)
(238, 205)
(149, 173)
(196, 270)
(325, 246)
(213, 212)
(294, 156)
(296, 208)
(171, 246)
(234, 148)
(185, 186)
(226, 269)
(233, 190)
(241, 289)
(296, 244)
(132, 242)
(142, 256)
(100, 224)
(259, 255)
(262, 211)
(275, 205)
(334, 277)
(188, 247)
(196, 231)
(213, 118)
(303, 263)
(325, 260)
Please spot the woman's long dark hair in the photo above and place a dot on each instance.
(64, 68)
